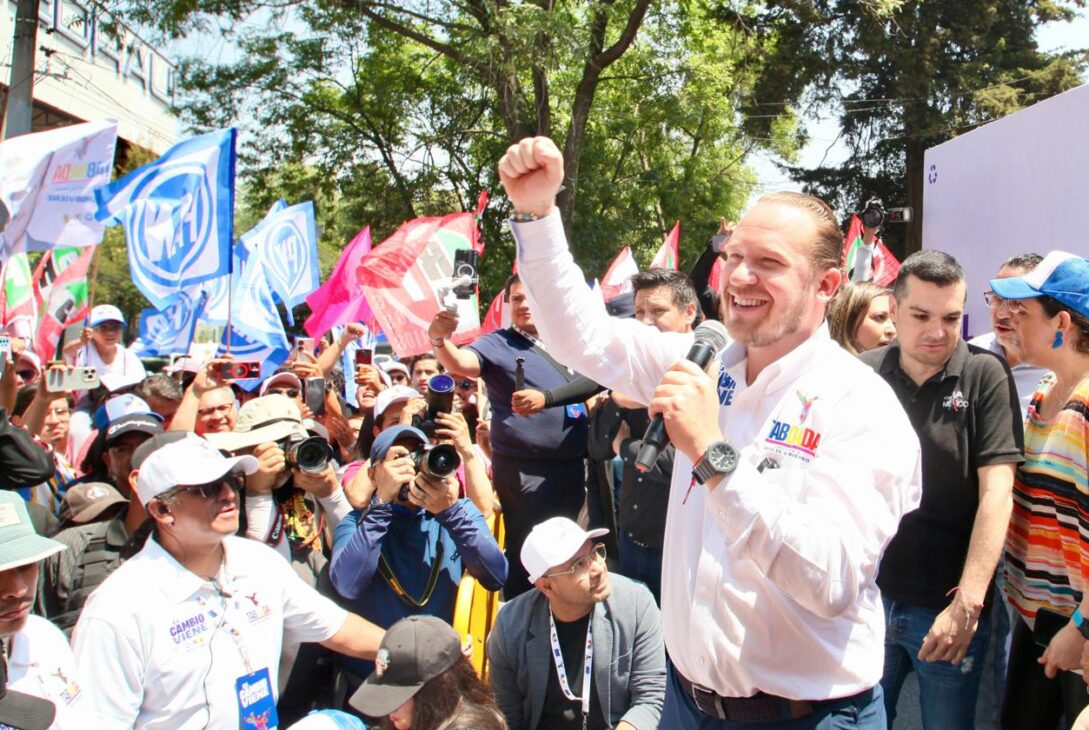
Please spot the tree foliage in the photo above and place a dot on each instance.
(383, 111)
(906, 75)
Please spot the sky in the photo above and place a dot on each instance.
(822, 131)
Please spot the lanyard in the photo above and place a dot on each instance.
(561, 673)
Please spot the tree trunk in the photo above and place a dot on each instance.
(913, 239)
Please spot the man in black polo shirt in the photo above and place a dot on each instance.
(936, 574)
(537, 460)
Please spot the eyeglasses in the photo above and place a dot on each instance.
(1016, 306)
(108, 326)
(212, 489)
(215, 410)
(289, 392)
(582, 566)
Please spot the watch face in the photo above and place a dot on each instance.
(722, 457)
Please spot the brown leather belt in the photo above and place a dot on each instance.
(761, 707)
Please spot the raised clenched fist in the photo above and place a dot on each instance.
(532, 173)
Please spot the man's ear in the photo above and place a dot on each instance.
(544, 585)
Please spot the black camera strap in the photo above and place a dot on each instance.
(386, 572)
(566, 374)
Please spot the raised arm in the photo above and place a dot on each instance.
(571, 319)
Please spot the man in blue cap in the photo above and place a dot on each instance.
(405, 554)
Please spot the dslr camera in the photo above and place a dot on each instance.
(438, 462)
(306, 453)
(874, 214)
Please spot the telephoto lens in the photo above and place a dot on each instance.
(311, 454)
(440, 395)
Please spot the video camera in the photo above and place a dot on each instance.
(306, 453)
(438, 462)
(874, 214)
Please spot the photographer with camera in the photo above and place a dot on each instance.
(868, 257)
(537, 460)
(405, 554)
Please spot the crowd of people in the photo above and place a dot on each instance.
(851, 492)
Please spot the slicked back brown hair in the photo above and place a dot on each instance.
(827, 249)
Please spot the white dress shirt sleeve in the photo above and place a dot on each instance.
(818, 533)
(112, 665)
(308, 615)
(621, 354)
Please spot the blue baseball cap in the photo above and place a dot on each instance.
(105, 313)
(386, 439)
(1062, 276)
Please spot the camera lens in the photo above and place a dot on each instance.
(442, 461)
(440, 395)
(310, 455)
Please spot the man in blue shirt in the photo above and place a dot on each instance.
(403, 558)
(537, 460)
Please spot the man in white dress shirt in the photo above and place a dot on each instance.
(794, 464)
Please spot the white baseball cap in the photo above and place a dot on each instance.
(189, 461)
(552, 543)
(105, 313)
(286, 377)
(388, 366)
(389, 396)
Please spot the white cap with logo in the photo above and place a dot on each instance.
(552, 543)
(190, 461)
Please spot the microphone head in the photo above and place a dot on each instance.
(713, 333)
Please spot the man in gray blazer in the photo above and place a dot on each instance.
(583, 649)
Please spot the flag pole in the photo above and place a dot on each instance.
(230, 305)
(94, 278)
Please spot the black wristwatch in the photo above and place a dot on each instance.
(720, 458)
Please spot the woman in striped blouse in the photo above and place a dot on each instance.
(1047, 547)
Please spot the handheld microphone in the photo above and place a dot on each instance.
(519, 374)
(710, 338)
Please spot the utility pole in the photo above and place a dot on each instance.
(19, 113)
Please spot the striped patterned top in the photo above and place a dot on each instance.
(1047, 546)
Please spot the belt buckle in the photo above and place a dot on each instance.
(708, 702)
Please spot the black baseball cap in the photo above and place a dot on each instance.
(414, 651)
(18, 709)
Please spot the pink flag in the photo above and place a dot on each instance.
(617, 279)
(340, 299)
(669, 253)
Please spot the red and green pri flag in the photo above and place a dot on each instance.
(60, 285)
(407, 279)
(885, 266)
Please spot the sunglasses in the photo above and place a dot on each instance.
(582, 566)
(26, 374)
(289, 392)
(108, 326)
(211, 490)
(466, 384)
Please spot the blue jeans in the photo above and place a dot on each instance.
(863, 711)
(947, 691)
(642, 564)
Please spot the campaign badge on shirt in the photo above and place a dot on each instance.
(256, 703)
(576, 411)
